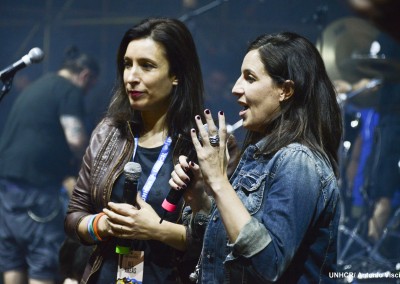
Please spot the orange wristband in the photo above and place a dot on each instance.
(95, 222)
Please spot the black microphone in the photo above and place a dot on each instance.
(35, 55)
(171, 202)
(132, 173)
(174, 196)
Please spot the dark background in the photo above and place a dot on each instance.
(221, 30)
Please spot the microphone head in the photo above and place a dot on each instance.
(36, 54)
(132, 170)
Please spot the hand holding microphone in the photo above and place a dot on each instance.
(171, 202)
(174, 196)
(132, 172)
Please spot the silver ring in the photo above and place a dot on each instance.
(214, 140)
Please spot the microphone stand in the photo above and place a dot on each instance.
(7, 84)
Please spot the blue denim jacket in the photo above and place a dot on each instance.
(293, 198)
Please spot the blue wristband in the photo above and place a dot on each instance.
(90, 228)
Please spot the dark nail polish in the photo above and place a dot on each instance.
(207, 111)
(198, 117)
(221, 112)
(193, 130)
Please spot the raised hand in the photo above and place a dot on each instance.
(211, 150)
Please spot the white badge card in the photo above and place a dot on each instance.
(130, 267)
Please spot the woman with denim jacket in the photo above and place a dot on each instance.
(159, 88)
(276, 219)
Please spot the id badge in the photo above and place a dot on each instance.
(130, 267)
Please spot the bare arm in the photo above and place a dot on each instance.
(75, 134)
(213, 172)
(213, 163)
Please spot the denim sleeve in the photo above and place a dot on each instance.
(290, 202)
(195, 228)
(253, 238)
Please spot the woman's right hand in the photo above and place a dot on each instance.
(187, 176)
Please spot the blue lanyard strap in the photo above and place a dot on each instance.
(156, 167)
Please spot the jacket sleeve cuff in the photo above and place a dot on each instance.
(253, 238)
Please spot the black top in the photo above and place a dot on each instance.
(159, 260)
(33, 148)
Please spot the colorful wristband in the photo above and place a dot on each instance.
(90, 228)
(95, 225)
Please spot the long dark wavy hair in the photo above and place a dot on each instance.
(186, 98)
(311, 116)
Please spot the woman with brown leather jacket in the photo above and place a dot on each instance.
(159, 88)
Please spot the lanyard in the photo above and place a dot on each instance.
(156, 167)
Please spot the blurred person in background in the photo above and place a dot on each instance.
(42, 143)
(385, 171)
(20, 82)
(382, 13)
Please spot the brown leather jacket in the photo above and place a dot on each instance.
(103, 162)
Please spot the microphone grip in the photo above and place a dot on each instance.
(10, 70)
(130, 192)
(172, 200)
(129, 196)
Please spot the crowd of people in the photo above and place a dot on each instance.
(269, 212)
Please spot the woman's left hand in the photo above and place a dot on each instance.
(128, 222)
(211, 151)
